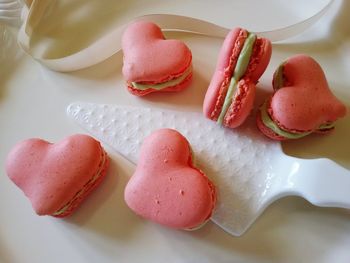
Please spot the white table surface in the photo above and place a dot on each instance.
(33, 103)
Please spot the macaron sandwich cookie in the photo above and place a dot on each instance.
(242, 60)
(302, 102)
(152, 63)
(166, 187)
(56, 178)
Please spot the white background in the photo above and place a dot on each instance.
(33, 102)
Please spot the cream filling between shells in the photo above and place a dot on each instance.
(166, 84)
(87, 186)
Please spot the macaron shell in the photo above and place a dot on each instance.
(148, 57)
(226, 49)
(165, 187)
(177, 205)
(219, 73)
(260, 59)
(267, 131)
(88, 188)
(308, 101)
(257, 64)
(51, 174)
(242, 104)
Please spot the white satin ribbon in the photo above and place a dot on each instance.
(110, 43)
(10, 12)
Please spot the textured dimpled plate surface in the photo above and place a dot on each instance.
(238, 161)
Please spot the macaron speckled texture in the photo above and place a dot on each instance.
(57, 177)
(152, 63)
(166, 188)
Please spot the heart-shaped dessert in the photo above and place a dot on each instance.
(242, 60)
(151, 63)
(302, 102)
(57, 177)
(166, 187)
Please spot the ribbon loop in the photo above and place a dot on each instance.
(110, 43)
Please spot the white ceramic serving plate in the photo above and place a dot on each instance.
(249, 171)
(33, 102)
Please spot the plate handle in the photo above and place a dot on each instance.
(320, 181)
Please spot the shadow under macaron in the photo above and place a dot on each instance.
(334, 146)
(105, 211)
(275, 236)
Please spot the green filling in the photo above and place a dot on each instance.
(63, 209)
(163, 85)
(326, 126)
(82, 191)
(231, 90)
(278, 78)
(240, 69)
(268, 122)
(197, 227)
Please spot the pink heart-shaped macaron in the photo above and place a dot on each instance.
(243, 58)
(166, 187)
(57, 177)
(153, 63)
(302, 102)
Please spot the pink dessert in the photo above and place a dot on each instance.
(242, 60)
(166, 188)
(302, 102)
(57, 177)
(152, 63)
